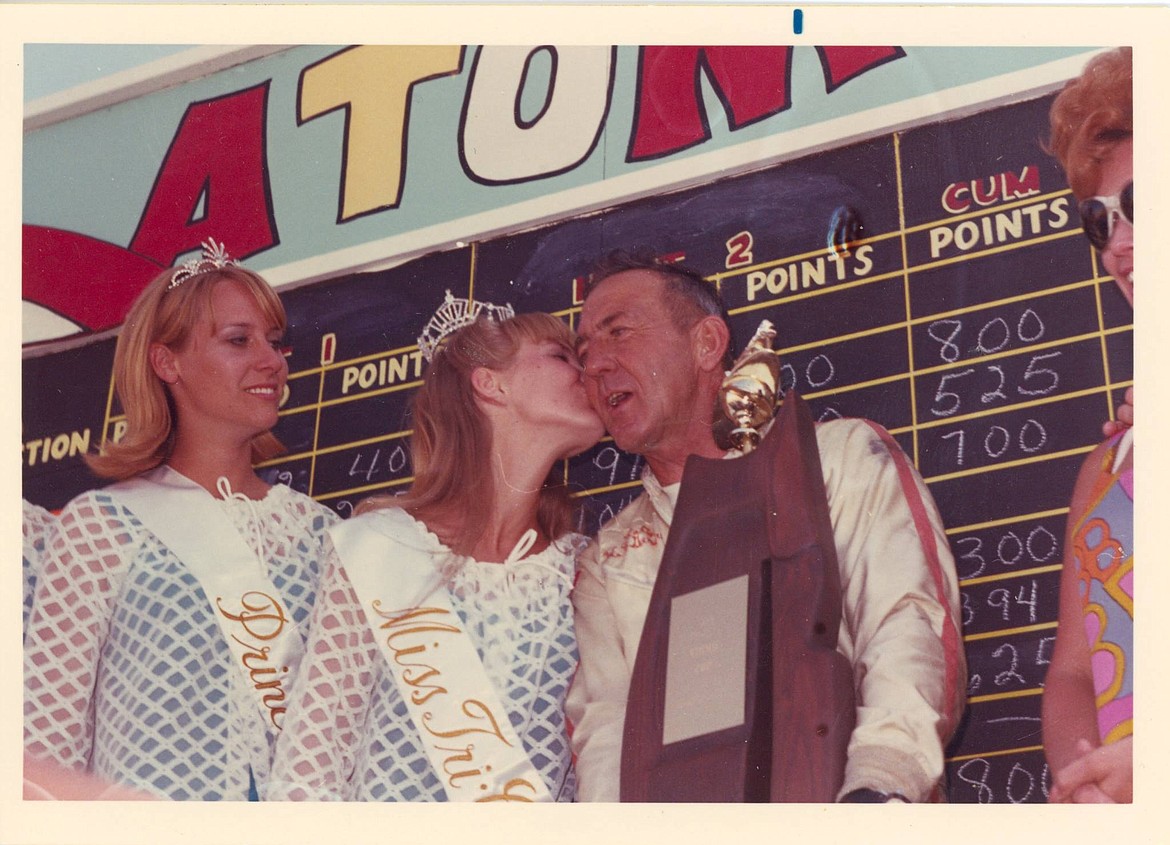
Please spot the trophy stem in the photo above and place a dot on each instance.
(748, 392)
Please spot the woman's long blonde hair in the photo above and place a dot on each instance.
(451, 442)
(1092, 115)
(167, 316)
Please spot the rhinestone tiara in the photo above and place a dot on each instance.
(453, 315)
(214, 257)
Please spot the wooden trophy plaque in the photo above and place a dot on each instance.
(738, 692)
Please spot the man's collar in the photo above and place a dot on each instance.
(661, 497)
(664, 497)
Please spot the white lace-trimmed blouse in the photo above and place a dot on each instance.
(347, 734)
(127, 672)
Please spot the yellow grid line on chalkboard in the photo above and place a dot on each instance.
(349, 362)
(301, 409)
(883, 277)
(397, 482)
(843, 338)
(996, 303)
(341, 447)
(382, 438)
(1010, 353)
(999, 207)
(109, 407)
(995, 250)
(316, 421)
(890, 327)
(858, 385)
(624, 485)
(1021, 750)
(1018, 406)
(999, 409)
(1104, 346)
(474, 254)
(1002, 696)
(821, 342)
(796, 297)
(1007, 520)
(316, 431)
(1007, 576)
(963, 473)
(394, 388)
(381, 485)
(1004, 632)
(906, 293)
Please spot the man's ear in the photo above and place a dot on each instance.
(710, 337)
(488, 385)
(163, 362)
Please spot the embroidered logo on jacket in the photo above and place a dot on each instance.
(634, 538)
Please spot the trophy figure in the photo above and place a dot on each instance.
(748, 393)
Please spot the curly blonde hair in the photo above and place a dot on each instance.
(1091, 116)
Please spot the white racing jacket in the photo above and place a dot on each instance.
(899, 623)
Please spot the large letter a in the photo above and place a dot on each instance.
(213, 182)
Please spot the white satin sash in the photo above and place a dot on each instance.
(463, 725)
(189, 521)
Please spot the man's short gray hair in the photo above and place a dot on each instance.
(688, 296)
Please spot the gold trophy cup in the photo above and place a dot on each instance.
(748, 392)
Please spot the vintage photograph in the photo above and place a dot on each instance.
(597, 419)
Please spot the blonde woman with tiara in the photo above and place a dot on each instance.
(170, 612)
(442, 644)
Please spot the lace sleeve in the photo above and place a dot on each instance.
(86, 554)
(320, 740)
(35, 524)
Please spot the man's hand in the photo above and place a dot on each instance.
(1102, 775)
(1124, 416)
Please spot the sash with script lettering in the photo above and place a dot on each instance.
(189, 521)
(464, 726)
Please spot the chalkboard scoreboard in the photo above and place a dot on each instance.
(934, 280)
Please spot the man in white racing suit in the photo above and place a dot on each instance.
(654, 344)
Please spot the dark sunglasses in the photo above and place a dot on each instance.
(1097, 215)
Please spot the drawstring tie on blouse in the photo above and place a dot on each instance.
(256, 538)
(447, 569)
(523, 546)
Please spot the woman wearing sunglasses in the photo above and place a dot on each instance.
(1088, 693)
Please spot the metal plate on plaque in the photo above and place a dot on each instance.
(706, 661)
